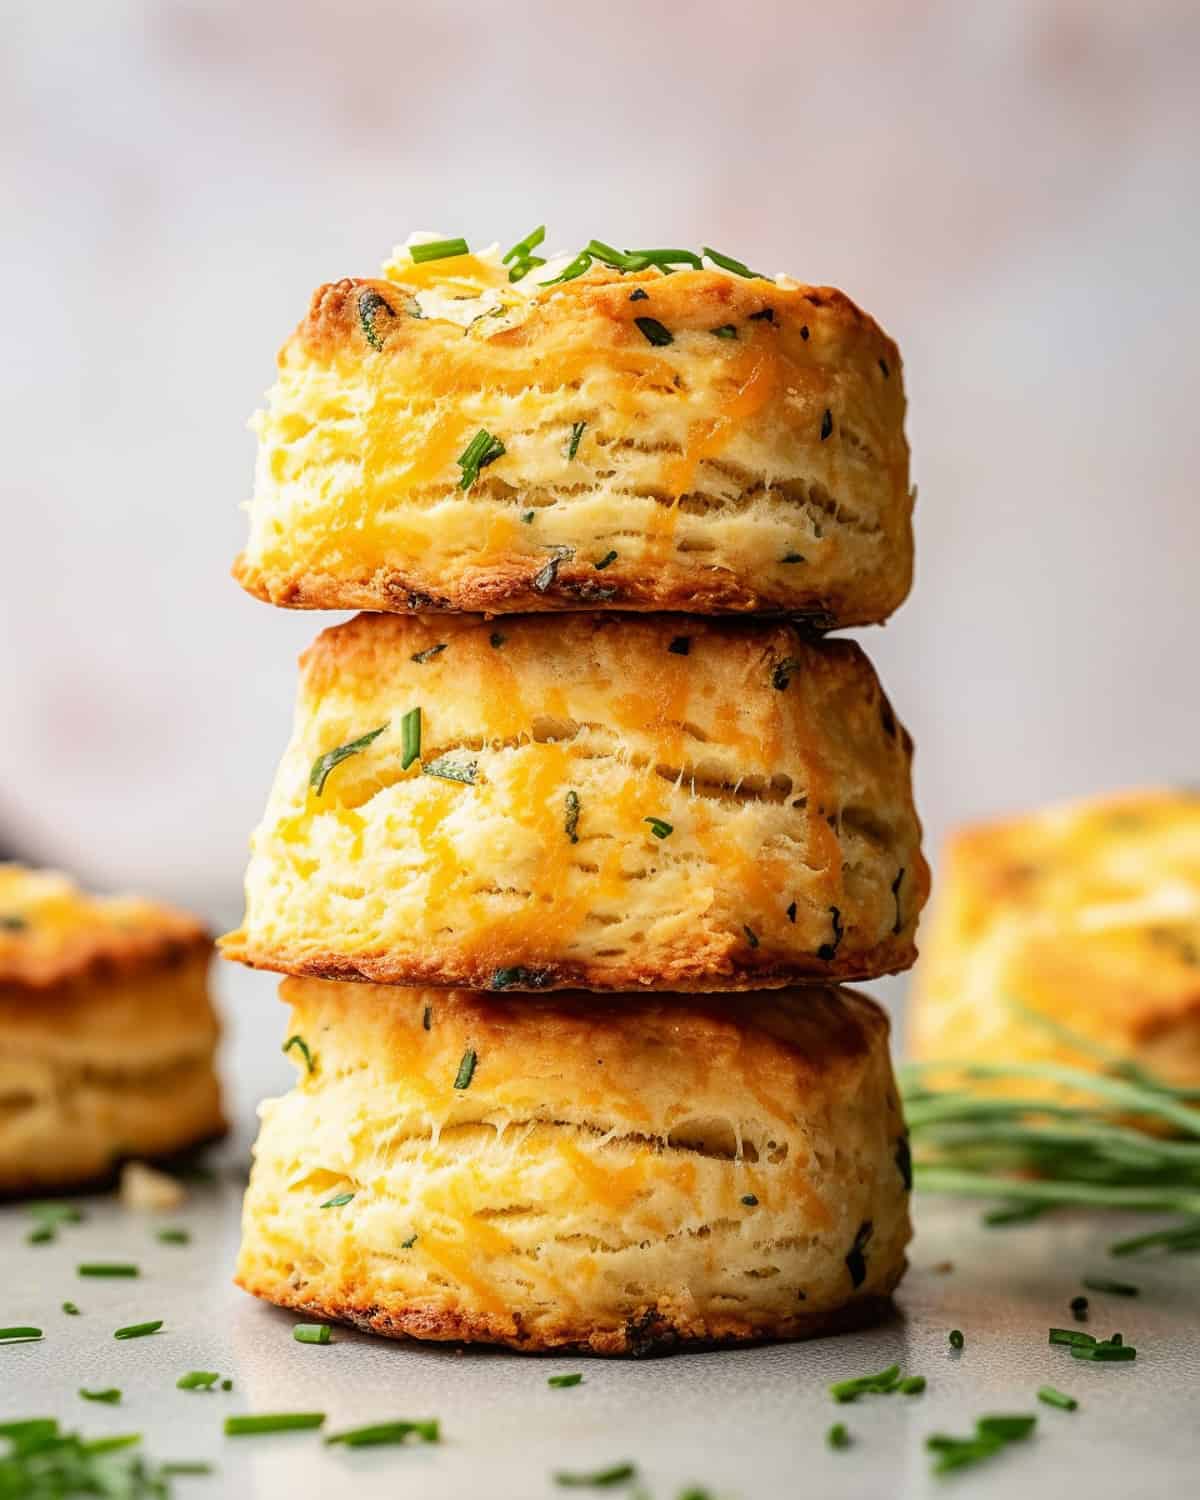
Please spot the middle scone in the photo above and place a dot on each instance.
(604, 801)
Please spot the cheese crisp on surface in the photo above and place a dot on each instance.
(106, 1033)
(1071, 935)
(444, 438)
(619, 1174)
(606, 801)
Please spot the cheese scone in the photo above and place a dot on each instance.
(444, 439)
(1069, 935)
(106, 1033)
(621, 1174)
(608, 801)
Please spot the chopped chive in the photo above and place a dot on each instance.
(427, 1018)
(726, 331)
(111, 1444)
(410, 737)
(528, 518)
(666, 258)
(620, 260)
(751, 935)
(387, 1432)
(749, 1200)
(1007, 1429)
(727, 263)
(781, 673)
(44, 1234)
(437, 250)
(483, 449)
(324, 764)
(466, 1069)
(70, 1309)
(654, 332)
(518, 978)
(138, 1330)
(597, 1479)
(956, 1338)
(446, 769)
(571, 821)
(826, 424)
(605, 561)
(639, 294)
(561, 1382)
(339, 1200)
(198, 1380)
(1052, 1397)
(659, 827)
(1113, 1288)
(1106, 1353)
(837, 1437)
(911, 1385)
(370, 305)
(881, 1383)
(311, 1333)
(107, 1268)
(11, 922)
(409, 1242)
(227, 1384)
(429, 652)
(680, 646)
(828, 951)
(1013, 1213)
(19, 1335)
(1072, 1336)
(283, 1421)
(55, 1213)
(301, 1046)
(523, 248)
(182, 1468)
(576, 434)
(577, 267)
(173, 1236)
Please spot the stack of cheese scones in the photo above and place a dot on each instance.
(582, 825)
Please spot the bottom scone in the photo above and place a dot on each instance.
(617, 1174)
(107, 1033)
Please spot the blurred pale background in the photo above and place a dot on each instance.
(1011, 188)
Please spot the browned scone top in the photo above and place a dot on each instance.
(606, 801)
(107, 1033)
(698, 441)
(621, 1174)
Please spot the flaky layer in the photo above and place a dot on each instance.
(1069, 930)
(606, 801)
(93, 1071)
(695, 441)
(620, 1174)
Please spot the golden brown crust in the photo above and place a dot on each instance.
(1086, 914)
(773, 761)
(765, 471)
(616, 1174)
(54, 936)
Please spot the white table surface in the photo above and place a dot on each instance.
(747, 1424)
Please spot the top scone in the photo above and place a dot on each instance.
(639, 439)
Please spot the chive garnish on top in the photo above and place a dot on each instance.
(437, 250)
(483, 449)
(576, 434)
(727, 263)
(370, 305)
(324, 764)
(339, 1200)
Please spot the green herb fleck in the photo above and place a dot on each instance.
(171, 1235)
(409, 1242)
(639, 294)
(1052, 1397)
(576, 434)
(992, 1434)
(659, 827)
(138, 1330)
(19, 1335)
(791, 913)
(324, 764)
(1071, 1336)
(301, 1046)
(452, 770)
(466, 1069)
(561, 1382)
(1111, 1351)
(605, 561)
(370, 305)
(726, 331)
(727, 263)
(427, 1018)
(339, 1200)
(483, 449)
(882, 1383)
(597, 1479)
(42, 1234)
(518, 978)
(496, 640)
(12, 923)
(107, 1268)
(387, 1432)
(70, 1309)
(781, 674)
(429, 652)
(654, 332)
(911, 1385)
(751, 935)
(437, 250)
(793, 557)
(111, 1396)
(410, 737)
(571, 821)
(749, 1200)
(283, 1421)
(577, 267)
(837, 1437)
(198, 1380)
(529, 517)
(311, 1333)
(767, 315)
